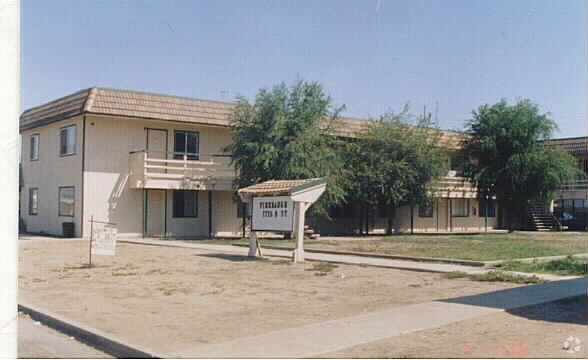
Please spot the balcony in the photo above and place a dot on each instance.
(453, 186)
(159, 170)
(577, 189)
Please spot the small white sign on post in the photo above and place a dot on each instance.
(104, 242)
(274, 213)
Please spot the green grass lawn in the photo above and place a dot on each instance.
(482, 247)
(569, 266)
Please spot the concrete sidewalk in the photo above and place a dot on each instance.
(342, 259)
(325, 337)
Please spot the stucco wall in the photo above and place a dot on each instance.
(49, 173)
(439, 222)
(108, 196)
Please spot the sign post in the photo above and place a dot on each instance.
(280, 206)
(102, 241)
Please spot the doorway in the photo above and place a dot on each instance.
(155, 213)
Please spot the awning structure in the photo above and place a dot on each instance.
(294, 188)
(302, 193)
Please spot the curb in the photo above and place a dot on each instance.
(106, 343)
(382, 256)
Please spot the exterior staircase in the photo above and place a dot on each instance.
(540, 218)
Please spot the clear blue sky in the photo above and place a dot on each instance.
(372, 56)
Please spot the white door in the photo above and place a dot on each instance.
(157, 148)
(155, 212)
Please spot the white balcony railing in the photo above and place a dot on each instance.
(159, 170)
(453, 186)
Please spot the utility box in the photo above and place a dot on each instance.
(68, 229)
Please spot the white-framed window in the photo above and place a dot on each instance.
(35, 138)
(186, 143)
(66, 201)
(33, 201)
(185, 203)
(460, 207)
(67, 140)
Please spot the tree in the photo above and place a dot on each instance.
(509, 157)
(394, 162)
(284, 135)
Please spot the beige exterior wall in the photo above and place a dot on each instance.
(49, 173)
(108, 196)
(440, 221)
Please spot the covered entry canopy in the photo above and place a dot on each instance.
(303, 193)
(293, 188)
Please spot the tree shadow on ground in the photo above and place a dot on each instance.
(233, 257)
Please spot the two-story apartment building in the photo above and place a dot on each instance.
(154, 165)
(571, 201)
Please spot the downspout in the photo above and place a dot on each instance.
(210, 214)
(83, 171)
(450, 215)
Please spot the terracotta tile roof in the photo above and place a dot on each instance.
(276, 186)
(55, 110)
(575, 146)
(131, 104)
(137, 104)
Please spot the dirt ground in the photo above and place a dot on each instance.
(537, 331)
(164, 298)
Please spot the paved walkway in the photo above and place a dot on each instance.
(325, 337)
(342, 259)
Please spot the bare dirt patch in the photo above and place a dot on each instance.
(537, 331)
(167, 298)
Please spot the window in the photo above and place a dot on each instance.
(460, 207)
(35, 147)
(67, 140)
(186, 143)
(33, 201)
(185, 203)
(426, 211)
(489, 204)
(66, 201)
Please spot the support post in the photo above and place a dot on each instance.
(252, 243)
(486, 214)
(91, 238)
(210, 214)
(300, 210)
(411, 219)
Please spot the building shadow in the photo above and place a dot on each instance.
(557, 301)
(572, 310)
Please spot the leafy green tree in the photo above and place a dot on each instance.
(394, 162)
(284, 135)
(509, 159)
